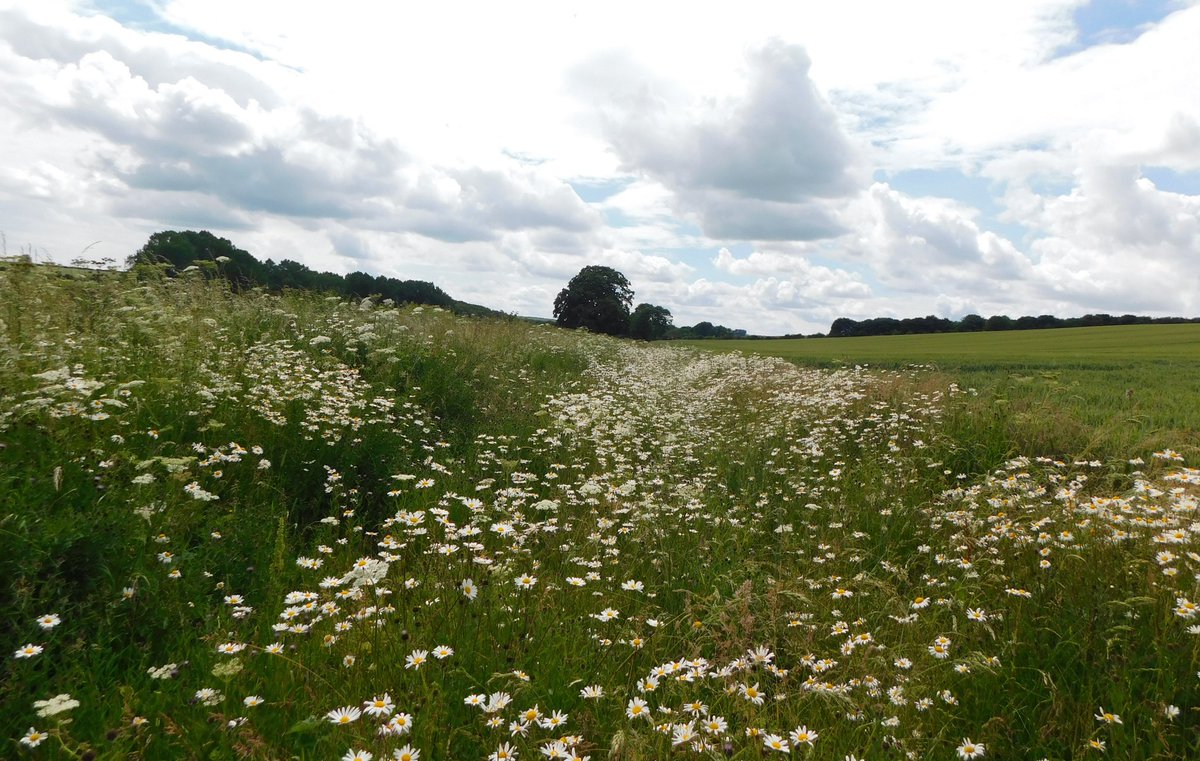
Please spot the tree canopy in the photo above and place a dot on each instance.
(598, 298)
(650, 322)
(218, 257)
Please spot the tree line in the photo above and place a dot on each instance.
(218, 257)
(973, 323)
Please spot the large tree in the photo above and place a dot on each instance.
(598, 298)
(650, 322)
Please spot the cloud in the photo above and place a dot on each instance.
(172, 128)
(799, 278)
(1117, 243)
(930, 245)
(757, 166)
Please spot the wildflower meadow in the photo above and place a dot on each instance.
(244, 525)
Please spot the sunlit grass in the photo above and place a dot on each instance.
(247, 526)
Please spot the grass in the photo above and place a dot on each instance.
(1091, 392)
(228, 519)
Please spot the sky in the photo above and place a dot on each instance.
(769, 168)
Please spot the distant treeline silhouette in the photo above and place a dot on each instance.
(973, 323)
(218, 257)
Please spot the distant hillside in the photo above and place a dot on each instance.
(218, 257)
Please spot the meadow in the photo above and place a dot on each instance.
(257, 526)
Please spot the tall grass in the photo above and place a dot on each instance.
(227, 516)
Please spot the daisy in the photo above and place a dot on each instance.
(358, 755)
(407, 753)
(28, 651)
(592, 692)
(637, 709)
(775, 742)
(505, 752)
(802, 734)
(401, 723)
(33, 738)
(1108, 717)
(469, 590)
(525, 581)
(343, 715)
(970, 749)
(416, 659)
(379, 706)
(49, 621)
(753, 694)
(442, 652)
(251, 701)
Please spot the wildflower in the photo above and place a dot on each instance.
(1171, 712)
(250, 701)
(497, 701)
(753, 694)
(802, 734)
(343, 715)
(525, 581)
(469, 590)
(379, 706)
(33, 738)
(1096, 745)
(407, 753)
(505, 752)
(775, 742)
(49, 621)
(637, 708)
(976, 614)
(275, 648)
(208, 696)
(715, 725)
(592, 692)
(1185, 608)
(442, 652)
(401, 723)
(358, 755)
(475, 700)
(55, 705)
(970, 749)
(1108, 717)
(28, 651)
(683, 733)
(416, 659)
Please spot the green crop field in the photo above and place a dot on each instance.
(1091, 391)
(255, 526)
(1108, 347)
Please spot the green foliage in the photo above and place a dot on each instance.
(224, 494)
(650, 322)
(598, 298)
(218, 257)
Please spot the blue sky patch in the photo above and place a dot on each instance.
(1186, 183)
(142, 14)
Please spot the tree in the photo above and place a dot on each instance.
(650, 322)
(598, 299)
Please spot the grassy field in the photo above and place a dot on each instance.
(1109, 347)
(1087, 391)
(244, 526)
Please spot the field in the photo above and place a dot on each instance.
(1097, 391)
(254, 526)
